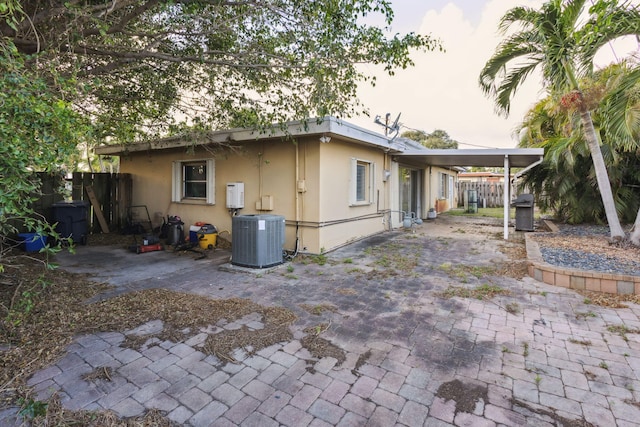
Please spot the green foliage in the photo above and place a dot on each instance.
(560, 40)
(39, 133)
(30, 409)
(437, 139)
(155, 68)
(556, 40)
(565, 183)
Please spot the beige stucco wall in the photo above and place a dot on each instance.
(431, 185)
(314, 199)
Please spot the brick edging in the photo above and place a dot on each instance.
(577, 279)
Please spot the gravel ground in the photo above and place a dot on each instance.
(586, 247)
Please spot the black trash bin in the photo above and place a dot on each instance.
(524, 212)
(72, 220)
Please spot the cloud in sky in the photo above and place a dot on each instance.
(441, 91)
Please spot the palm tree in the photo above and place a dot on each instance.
(562, 44)
(565, 182)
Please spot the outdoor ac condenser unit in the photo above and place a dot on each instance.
(257, 240)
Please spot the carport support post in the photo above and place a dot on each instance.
(507, 189)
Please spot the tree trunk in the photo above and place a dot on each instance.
(635, 235)
(602, 176)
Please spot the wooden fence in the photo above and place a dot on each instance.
(113, 193)
(490, 194)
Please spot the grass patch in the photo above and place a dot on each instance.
(623, 330)
(463, 272)
(482, 212)
(481, 292)
(320, 259)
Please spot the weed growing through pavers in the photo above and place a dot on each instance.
(512, 308)
(584, 314)
(525, 349)
(320, 259)
(505, 349)
(318, 309)
(355, 270)
(347, 291)
(538, 379)
(623, 330)
(484, 291)
(347, 261)
(103, 373)
(604, 365)
(543, 293)
(581, 342)
(290, 268)
(462, 272)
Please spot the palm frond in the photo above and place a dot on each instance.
(620, 111)
(602, 27)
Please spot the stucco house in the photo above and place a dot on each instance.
(333, 182)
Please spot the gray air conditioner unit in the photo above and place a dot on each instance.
(257, 240)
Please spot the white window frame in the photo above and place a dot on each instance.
(178, 182)
(370, 183)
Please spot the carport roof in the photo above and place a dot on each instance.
(518, 157)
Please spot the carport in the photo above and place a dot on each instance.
(525, 158)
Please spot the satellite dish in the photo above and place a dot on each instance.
(396, 125)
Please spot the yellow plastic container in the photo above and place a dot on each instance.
(207, 236)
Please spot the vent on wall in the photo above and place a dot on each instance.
(257, 240)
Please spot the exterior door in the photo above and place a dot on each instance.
(410, 191)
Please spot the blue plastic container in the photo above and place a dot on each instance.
(32, 242)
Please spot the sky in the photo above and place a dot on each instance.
(441, 91)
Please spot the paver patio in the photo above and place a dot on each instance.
(538, 356)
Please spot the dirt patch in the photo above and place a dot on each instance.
(516, 267)
(320, 347)
(223, 345)
(466, 396)
(559, 420)
(362, 359)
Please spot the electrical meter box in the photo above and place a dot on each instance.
(235, 195)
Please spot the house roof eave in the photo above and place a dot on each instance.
(326, 126)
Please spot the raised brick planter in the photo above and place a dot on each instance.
(577, 279)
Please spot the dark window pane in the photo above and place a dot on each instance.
(195, 173)
(195, 189)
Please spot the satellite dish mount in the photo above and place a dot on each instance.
(389, 129)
